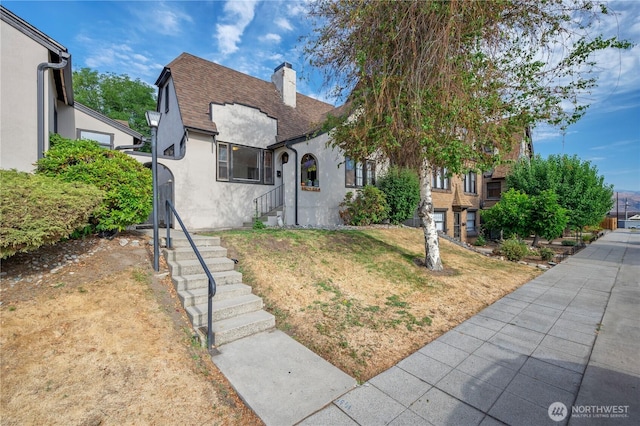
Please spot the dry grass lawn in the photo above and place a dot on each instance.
(359, 298)
(96, 344)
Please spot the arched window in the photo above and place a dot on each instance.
(309, 170)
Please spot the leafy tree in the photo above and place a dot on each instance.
(580, 190)
(441, 84)
(402, 190)
(126, 183)
(519, 214)
(38, 210)
(510, 215)
(546, 218)
(116, 96)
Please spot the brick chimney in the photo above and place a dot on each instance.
(284, 77)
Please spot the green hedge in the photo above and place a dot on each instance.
(368, 207)
(402, 190)
(126, 182)
(38, 210)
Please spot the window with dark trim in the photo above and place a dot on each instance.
(105, 140)
(440, 218)
(471, 222)
(359, 174)
(470, 183)
(440, 179)
(493, 190)
(268, 167)
(239, 163)
(309, 170)
(166, 98)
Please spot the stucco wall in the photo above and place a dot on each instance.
(71, 119)
(171, 129)
(18, 98)
(319, 207)
(201, 200)
(243, 125)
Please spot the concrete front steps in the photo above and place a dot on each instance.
(236, 312)
(269, 219)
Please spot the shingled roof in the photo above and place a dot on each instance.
(199, 82)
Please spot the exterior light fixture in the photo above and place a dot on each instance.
(153, 120)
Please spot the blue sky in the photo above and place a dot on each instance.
(139, 37)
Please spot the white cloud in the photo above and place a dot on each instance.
(169, 21)
(283, 23)
(163, 18)
(611, 145)
(239, 14)
(297, 8)
(271, 37)
(119, 58)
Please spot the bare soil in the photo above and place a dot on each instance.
(89, 335)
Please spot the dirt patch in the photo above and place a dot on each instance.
(90, 335)
(358, 298)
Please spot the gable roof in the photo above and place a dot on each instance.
(199, 82)
(113, 123)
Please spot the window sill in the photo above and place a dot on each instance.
(311, 188)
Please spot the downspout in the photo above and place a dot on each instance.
(136, 146)
(64, 58)
(296, 183)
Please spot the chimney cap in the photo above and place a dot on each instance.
(282, 65)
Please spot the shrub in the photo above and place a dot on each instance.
(588, 238)
(402, 190)
(514, 249)
(569, 243)
(369, 206)
(547, 254)
(126, 182)
(38, 210)
(480, 241)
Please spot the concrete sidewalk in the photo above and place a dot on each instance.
(567, 341)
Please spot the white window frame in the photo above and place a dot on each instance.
(87, 135)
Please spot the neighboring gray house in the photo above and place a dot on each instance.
(36, 98)
(226, 138)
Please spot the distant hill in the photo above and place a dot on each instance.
(632, 197)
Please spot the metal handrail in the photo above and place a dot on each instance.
(269, 201)
(212, 282)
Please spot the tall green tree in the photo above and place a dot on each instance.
(579, 187)
(116, 96)
(442, 83)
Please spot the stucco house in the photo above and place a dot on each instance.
(227, 139)
(36, 98)
(229, 143)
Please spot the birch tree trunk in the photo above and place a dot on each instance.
(425, 211)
